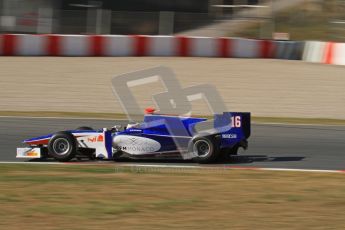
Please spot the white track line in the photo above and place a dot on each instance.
(221, 167)
(236, 167)
(296, 124)
(31, 163)
(302, 170)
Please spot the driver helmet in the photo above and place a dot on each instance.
(133, 125)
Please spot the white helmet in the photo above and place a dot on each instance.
(132, 125)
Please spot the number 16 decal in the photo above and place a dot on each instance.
(236, 122)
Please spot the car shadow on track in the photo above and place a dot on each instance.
(239, 159)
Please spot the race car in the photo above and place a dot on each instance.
(159, 135)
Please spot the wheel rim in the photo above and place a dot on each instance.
(202, 148)
(61, 146)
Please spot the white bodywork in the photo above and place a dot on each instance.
(136, 145)
(93, 140)
(28, 153)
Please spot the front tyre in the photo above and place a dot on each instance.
(62, 146)
(205, 149)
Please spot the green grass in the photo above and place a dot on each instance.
(107, 196)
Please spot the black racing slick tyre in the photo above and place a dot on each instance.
(84, 128)
(62, 146)
(205, 149)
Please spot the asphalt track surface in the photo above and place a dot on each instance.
(270, 145)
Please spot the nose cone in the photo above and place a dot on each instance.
(41, 140)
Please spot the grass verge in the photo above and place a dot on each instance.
(286, 120)
(104, 196)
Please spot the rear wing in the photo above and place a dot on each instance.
(238, 122)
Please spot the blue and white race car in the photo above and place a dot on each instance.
(158, 135)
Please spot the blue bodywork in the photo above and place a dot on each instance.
(176, 132)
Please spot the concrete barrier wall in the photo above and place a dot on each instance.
(324, 52)
(314, 51)
(140, 45)
(173, 46)
(289, 50)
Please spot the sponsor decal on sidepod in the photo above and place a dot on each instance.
(136, 145)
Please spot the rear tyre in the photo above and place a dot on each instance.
(62, 146)
(204, 149)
